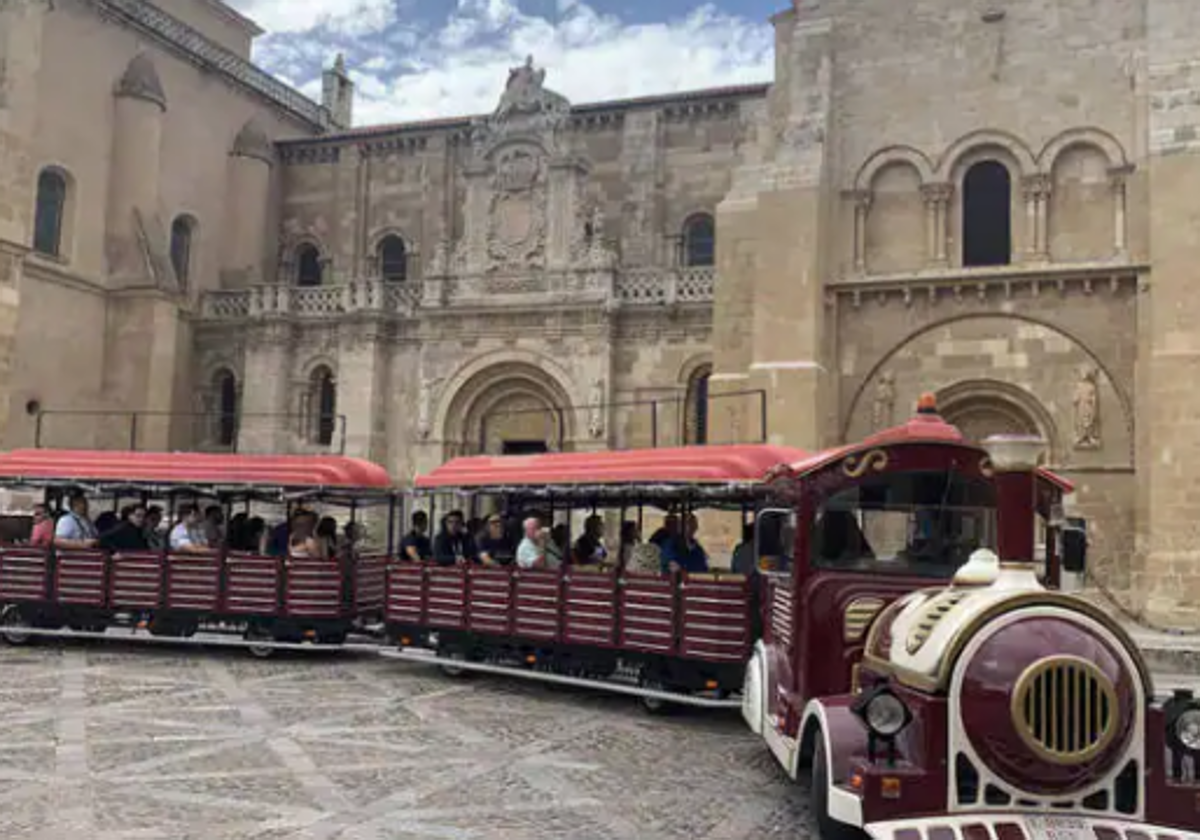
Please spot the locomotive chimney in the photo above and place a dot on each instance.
(1015, 462)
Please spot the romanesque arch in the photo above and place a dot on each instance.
(985, 406)
(1011, 368)
(985, 141)
(1112, 149)
(891, 156)
(513, 401)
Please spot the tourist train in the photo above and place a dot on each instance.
(900, 631)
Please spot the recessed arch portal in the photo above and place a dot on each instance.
(509, 407)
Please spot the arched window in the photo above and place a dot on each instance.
(987, 215)
(308, 266)
(699, 241)
(393, 259)
(695, 431)
(225, 390)
(181, 248)
(50, 213)
(322, 406)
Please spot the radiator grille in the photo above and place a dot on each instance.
(1065, 709)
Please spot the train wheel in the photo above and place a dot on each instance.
(653, 705)
(827, 827)
(453, 670)
(259, 634)
(11, 625)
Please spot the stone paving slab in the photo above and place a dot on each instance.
(119, 742)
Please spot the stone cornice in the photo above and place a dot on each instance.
(149, 20)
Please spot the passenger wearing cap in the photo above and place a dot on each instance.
(494, 546)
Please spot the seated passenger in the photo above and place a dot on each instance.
(304, 543)
(743, 561)
(669, 530)
(154, 536)
(684, 552)
(416, 545)
(130, 533)
(254, 535)
(494, 546)
(74, 529)
(839, 539)
(556, 546)
(327, 536)
(589, 549)
(188, 537)
(646, 557)
(531, 553)
(42, 534)
(631, 538)
(453, 545)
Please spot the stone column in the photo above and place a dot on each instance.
(1118, 178)
(566, 175)
(270, 395)
(1036, 191)
(937, 202)
(360, 388)
(862, 211)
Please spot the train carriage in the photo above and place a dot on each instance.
(268, 602)
(681, 635)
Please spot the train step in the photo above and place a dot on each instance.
(210, 639)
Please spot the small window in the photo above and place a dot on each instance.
(699, 242)
(322, 400)
(393, 259)
(696, 418)
(181, 249)
(308, 266)
(987, 215)
(50, 212)
(225, 386)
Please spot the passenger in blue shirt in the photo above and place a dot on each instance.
(683, 552)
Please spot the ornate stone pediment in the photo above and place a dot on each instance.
(526, 108)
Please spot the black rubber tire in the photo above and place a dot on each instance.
(827, 827)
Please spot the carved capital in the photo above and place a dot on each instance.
(937, 193)
(1036, 186)
(1118, 176)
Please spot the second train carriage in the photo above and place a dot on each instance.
(679, 634)
(265, 600)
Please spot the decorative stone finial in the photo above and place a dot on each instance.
(140, 81)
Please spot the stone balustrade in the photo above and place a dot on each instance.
(635, 288)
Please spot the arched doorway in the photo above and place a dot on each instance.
(980, 409)
(510, 409)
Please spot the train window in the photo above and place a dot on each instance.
(774, 539)
(920, 524)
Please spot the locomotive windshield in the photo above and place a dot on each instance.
(923, 524)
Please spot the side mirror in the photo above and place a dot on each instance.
(1074, 545)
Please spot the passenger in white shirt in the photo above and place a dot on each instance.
(531, 553)
(187, 537)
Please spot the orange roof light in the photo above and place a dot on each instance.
(927, 404)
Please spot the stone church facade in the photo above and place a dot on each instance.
(988, 200)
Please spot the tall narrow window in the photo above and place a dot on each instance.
(49, 213)
(181, 249)
(699, 241)
(393, 259)
(308, 266)
(987, 215)
(696, 407)
(322, 405)
(225, 387)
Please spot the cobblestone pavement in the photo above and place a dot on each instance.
(117, 742)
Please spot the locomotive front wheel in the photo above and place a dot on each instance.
(11, 625)
(653, 705)
(827, 827)
(452, 670)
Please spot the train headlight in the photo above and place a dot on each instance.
(1183, 723)
(883, 713)
(1187, 730)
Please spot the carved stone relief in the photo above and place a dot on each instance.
(429, 388)
(883, 407)
(596, 409)
(1087, 409)
(517, 209)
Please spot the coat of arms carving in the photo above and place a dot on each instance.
(516, 235)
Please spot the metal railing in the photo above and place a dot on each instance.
(307, 426)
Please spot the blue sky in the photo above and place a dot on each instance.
(421, 59)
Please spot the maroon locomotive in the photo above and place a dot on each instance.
(989, 707)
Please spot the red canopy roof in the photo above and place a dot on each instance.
(57, 466)
(680, 465)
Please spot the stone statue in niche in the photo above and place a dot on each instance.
(596, 409)
(1087, 408)
(425, 407)
(884, 406)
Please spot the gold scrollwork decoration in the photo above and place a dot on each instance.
(855, 466)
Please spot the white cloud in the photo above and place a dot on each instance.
(460, 68)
